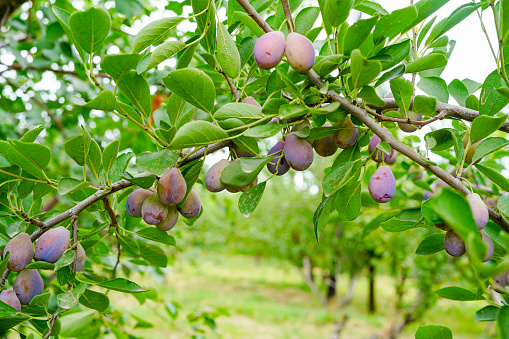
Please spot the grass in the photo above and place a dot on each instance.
(269, 300)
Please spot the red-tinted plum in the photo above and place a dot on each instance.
(278, 163)
(135, 201)
(192, 206)
(9, 297)
(300, 52)
(27, 285)
(172, 187)
(298, 153)
(382, 185)
(378, 156)
(251, 101)
(348, 136)
(269, 49)
(213, 176)
(479, 210)
(453, 245)
(22, 252)
(52, 244)
(153, 210)
(171, 219)
(325, 146)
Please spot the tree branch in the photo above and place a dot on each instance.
(380, 117)
(233, 89)
(288, 15)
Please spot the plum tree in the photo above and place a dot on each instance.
(27, 285)
(300, 52)
(172, 187)
(192, 206)
(22, 251)
(348, 136)
(9, 297)
(325, 146)
(153, 210)
(382, 185)
(213, 177)
(52, 244)
(278, 165)
(479, 210)
(453, 245)
(298, 152)
(269, 49)
(135, 201)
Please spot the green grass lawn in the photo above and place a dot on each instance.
(268, 299)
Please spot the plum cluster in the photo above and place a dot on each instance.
(162, 208)
(270, 48)
(49, 248)
(382, 184)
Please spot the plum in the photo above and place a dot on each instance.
(22, 252)
(418, 172)
(135, 201)
(409, 128)
(241, 153)
(382, 185)
(453, 245)
(269, 49)
(192, 206)
(27, 285)
(427, 195)
(300, 52)
(153, 210)
(479, 210)
(391, 159)
(172, 187)
(346, 137)
(52, 244)
(298, 153)
(213, 177)
(251, 185)
(377, 155)
(9, 297)
(500, 282)
(278, 163)
(81, 258)
(325, 146)
(443, 226)
(490, 248)
(251, 101)
(171, 219)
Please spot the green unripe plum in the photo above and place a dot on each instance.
(52, 244)
(269, 49)
(300, 52)
(500, 282)
(171, 219)
(470, 153)
(479, 210)
(22, 252)
(453, 244)
(325, 146)
(251, 101)
(298, 153)
(213, 177)
(346, 137)
(135, 201)
(409, 128)
(9, 297)
(192, 206)
(172, 187)
(490, 248)
(382, 185)
(81, 258)
(153, 210)
(27, 285)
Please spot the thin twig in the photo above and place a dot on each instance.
(380, 117)
(288, 15)
(29, 219)
(233, 89)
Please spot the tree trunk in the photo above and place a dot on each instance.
(7, 8)
(371, 278)
(331, 290)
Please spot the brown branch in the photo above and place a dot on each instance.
(380, 117)
(50, 204)
(288, 15)
(361, 115)
(75, 241)
(27, 218)
(233, 89)
(52, 325)
(114, 223)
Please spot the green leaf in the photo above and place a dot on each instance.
(424, 105)
(394, 73)
(75, 149)
(494, 176)
(335, 12)
(154, 31)
(41, 265)
(244, 112)
(29, 156)
(248, 22)
(95, 300)
(153, 254)
(393, 54)
(163, 52)
(458, 91)
(65, 260)
(488, 146)
(394, 23)
(31, 136)
(435, 87)
(137, 90)
(157, 163)
(63, 18)
(458, 294)
(197, 133)
(430, 61)
(305, 20)
(487, 313)
(358, 33)
(227, 53)
(491, 100)
(327, 64)
(194, 86)
(402, 91)
(431, 244)
(129, 245)
(336, 178)
(154, 234)
(117, 65)
(503, 322)
(250, 199)
(289, 83)
(483, 126)
(110, 154)
(71, 185)
(396, 225)
(90, 28)
(122, 285)
(363, 71)
(348, 201)
(127, 111)
(40, 300)
(105, 101)
(144, 181)
(70, 299)
(206, 22)
(433, 332)
(321, 216)
(243, 172)
(368, 94)
(264, 131)
(425, 8)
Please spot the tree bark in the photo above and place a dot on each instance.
(371, 278)
(7, 8)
